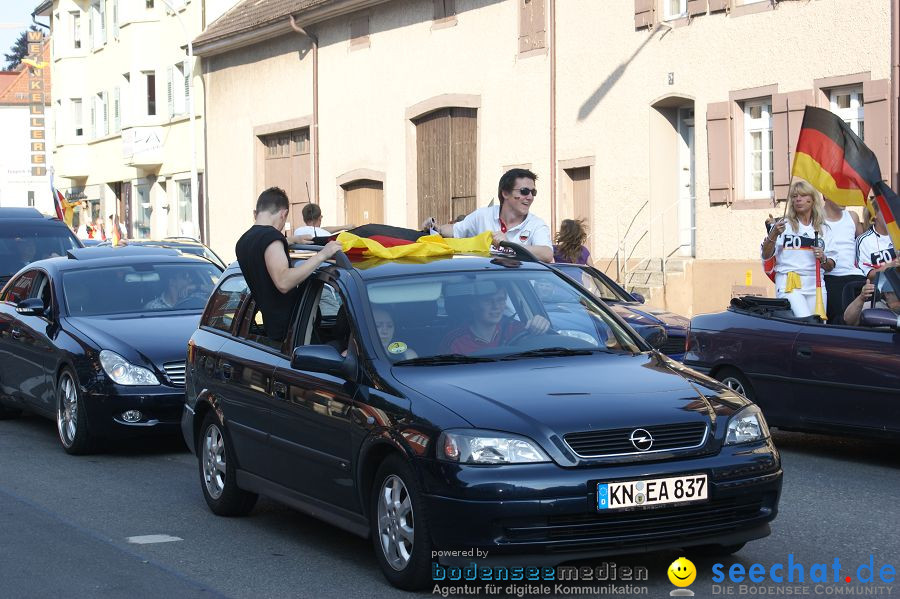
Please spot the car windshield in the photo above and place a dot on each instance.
(489, 315)
(21, 244)
(139, 288)
(595, 284)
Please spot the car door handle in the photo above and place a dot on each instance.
(16, 333)
(226, 371)
(804, 352)
(279, 390)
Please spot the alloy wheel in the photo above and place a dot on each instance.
(735, 385)
(395, 522)
(67, 411)
(214, 462)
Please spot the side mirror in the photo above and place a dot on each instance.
(638, 298)
(31, 307)
(879, 317)
(322, 358)
(654, 335)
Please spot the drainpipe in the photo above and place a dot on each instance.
(314, 128)
(895, 90)
(552, 118)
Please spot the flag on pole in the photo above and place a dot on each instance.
(836, 162)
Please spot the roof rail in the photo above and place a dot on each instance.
(521, 252)
(340, 258)
(181, 237)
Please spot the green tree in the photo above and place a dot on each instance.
(18, 50)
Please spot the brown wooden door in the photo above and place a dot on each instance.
(364, 202)
(446, 153)
(287, 167)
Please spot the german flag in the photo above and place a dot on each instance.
(834, 159)
(889, 204)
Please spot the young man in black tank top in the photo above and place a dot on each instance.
(263, 255)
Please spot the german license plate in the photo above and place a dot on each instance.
(653, 492)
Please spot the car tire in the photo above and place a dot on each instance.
(397, 505)
(217, 472)
(72, 424)
(736, 381)
(717, 550)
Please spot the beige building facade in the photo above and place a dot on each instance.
(668, 125)
(122, 106)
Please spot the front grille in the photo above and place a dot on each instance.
(593, 444)
(175, 373)
(623, 529)
(673, 346)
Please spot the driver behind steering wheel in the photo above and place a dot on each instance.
(178, 288)
(488, 326)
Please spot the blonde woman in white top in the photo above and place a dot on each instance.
(842, 228)
(792, 240)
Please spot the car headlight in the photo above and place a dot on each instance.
(123, 372)
(746, 426)
(486, 447)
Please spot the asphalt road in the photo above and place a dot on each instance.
(65, 524)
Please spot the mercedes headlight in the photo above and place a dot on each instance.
(123, 372)
(487, 447)
(746, 426)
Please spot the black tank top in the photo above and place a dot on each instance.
(276, 307)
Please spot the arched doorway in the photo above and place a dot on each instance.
(672, 177)
(363, 202)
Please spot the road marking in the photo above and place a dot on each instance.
(147, 539)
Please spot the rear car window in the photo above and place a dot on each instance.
(23, 243)
(224, 303)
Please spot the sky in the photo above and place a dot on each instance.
(18, 13)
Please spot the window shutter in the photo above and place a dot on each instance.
(187, 85)
(117, 112)
(171, 96)
(696, 7)
(102, 6)
(877, 118)
(93, 119)
(787, 117)
(104, 101)
(115, 19)
(643, 13)
(718, 148)
(538, 24)
(718, 5)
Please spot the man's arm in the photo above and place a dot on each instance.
(854, 309)
(543, 252)
(542, 244)
(337, 228)
(285, 277)
(299, 239)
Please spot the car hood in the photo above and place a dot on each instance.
(155, 339)
(549, 397)
(638, 314)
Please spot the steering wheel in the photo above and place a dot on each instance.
(527, 334)
(191, 302)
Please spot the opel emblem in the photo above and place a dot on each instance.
(641, 439)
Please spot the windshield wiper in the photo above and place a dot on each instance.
(551, 351)
(443, 359)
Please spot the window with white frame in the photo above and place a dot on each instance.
(674, 9)
(150, 79)
(98, 22)
(76, 29)
(77, 117)
(185, 214)
(847, 103)
(758, 154)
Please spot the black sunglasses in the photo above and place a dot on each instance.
(525, 191)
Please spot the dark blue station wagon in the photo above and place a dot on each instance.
(435, 405)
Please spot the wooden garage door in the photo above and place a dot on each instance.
(446, 159)
(287, 167)
(364, 202)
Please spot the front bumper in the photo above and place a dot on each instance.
(160, 406)
(547, 514)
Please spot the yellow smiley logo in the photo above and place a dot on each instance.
(682, 572)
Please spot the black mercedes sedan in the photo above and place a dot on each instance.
(96, 340)
(434, 407)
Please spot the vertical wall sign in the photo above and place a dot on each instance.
(36, 102)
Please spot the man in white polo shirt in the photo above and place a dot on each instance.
(510, 221)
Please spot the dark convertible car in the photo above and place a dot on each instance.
(803, 374)
(427, 406)
(97, 340)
